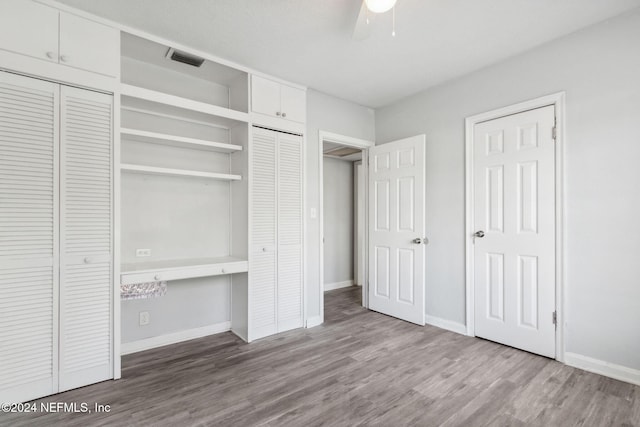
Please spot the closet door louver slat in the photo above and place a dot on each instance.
(262, 273)
(28, 237)
(86, 242)
(289, 232)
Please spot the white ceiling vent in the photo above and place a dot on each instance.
(185, 58)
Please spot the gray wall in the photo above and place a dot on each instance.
(329, 114)
(599, 68)
(338, 220)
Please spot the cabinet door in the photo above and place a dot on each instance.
(265, 96)
(88, 45)
(28, 237)
(86, 285)
(263, 220)
(29, 28)
(293, 103)
(289, 232)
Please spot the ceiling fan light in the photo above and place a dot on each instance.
(380, 6)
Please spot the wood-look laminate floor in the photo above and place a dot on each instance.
(358, 368)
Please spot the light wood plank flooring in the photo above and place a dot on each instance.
(359, 368)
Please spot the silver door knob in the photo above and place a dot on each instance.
(479, 234)
(418, 241)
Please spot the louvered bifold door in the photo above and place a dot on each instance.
(86, 238)
(28, 237)
(263, 224)
(289, 232)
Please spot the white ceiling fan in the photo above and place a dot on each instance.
(368, 11)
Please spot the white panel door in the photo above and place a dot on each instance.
(265, 96)
(28, 238)
(86, 238)
(397, 229)
(88, 45)
(514, 212)
(263, 223)
(289, 232)
(293, 102)
(29, 28)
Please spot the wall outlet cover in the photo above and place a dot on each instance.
(143, 252)
(144, 318)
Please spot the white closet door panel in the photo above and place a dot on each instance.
(262, 295)
(262, 272)
(28, 237)
(263, 189)
(289, 287)
(86, 238)
(289, 232)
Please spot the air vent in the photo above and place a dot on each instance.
(342, 151)
(185, 58)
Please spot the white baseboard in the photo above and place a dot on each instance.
(449, 325)
(314, 321)
(337, 285)
(601, 367)
(172, 338)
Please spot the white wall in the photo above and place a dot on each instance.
(334, 115)
(599, 68)
(338, 220)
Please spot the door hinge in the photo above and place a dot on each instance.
(554, 132)
(554, 318)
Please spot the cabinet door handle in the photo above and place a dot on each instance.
(223, 271)
(88, 260)
(278, 113)
(51, 55)
(156, 277)
(64, 58)
(284, 114)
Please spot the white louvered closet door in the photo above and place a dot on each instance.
(263, 220)
(28, 237)
(86, 238)
(289, 232)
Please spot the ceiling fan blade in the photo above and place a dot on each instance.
(362, 30)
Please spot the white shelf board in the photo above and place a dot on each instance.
(153, 170)
(141, 272)
(178, 141)
(182, 103)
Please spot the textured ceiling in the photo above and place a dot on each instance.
(309, 41)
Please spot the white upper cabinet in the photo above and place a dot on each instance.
(88, 45)
(43, 32)
(293, 103)
(29, 28)
(277, 100)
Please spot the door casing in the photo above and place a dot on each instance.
(347, 141)
(557, 100)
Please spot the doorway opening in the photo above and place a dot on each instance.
(343, 221)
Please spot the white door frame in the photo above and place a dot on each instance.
(347, 141)
(558, 101)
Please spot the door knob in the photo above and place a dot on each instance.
(479, 234)
(419, 240)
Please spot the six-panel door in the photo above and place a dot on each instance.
(514, 207)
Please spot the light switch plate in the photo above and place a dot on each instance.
(144, 318)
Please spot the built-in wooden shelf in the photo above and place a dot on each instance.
(181, 269)
(178, 141)
(153, 170)
(182, 103)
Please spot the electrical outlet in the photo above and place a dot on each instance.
(144, 318)
(143, 252)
